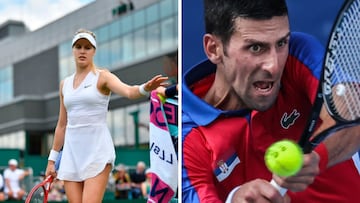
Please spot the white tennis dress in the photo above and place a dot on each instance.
(88, 145)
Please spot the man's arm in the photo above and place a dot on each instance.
(343, 144)
(197, 176)
(25, 173)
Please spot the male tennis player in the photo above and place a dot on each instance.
(257, 87)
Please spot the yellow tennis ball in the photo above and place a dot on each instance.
(284, 158)
(162, 98)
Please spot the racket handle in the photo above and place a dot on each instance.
(278, 187)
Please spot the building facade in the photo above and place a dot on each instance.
(134, 42)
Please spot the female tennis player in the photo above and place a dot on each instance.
(88, 151)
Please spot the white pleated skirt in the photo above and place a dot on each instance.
(87, 150)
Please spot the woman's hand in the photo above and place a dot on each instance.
(50, 169)
(155, 82)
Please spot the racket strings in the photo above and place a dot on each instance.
(38, 196)
(346, 62)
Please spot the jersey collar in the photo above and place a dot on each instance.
(197, 109)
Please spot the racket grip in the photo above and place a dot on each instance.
(281, 190)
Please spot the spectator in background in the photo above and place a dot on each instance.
(40, 178)
(171, 67)
(2, 195)
(146, 185)
(13, 176)
(122, 182)
(57, 192)
(137, 178)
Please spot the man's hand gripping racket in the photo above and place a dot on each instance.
(339, 88)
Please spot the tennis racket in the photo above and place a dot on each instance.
(339, 87)
(39, 193)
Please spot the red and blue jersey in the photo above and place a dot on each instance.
(225, 149)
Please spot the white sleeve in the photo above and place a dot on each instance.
(1, 181)
(231, 194)
(19, 172)
(6, 173)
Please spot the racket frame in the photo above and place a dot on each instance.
(324, 93)
(45, 184)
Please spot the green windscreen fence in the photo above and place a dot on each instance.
(125, 155)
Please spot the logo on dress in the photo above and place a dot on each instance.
(86, 86)
(289, 120)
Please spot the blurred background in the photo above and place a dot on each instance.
(313, 17)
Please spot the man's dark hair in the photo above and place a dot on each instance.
(220, 15)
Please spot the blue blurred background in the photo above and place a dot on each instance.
(311, 16)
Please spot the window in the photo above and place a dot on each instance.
(167, 33)
(102, 34)
(66, 60)
(67, 67)
(139, 19)
(126, 25)
(6, 84)
(139, 44)
(121, 124)
(153, 38)
(166, 8)
(152, 14)
(115, 29)
(65, 49)
(115, 53)
(14, 140)
(127, 48)
(102, 55)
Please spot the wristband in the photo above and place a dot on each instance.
(324, 156)
(171, 91)
(53, 155)
(142, 90)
